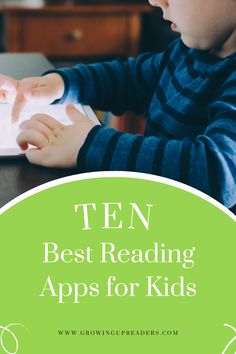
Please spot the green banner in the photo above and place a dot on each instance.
(117, 263)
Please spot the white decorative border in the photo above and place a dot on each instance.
(108, 174)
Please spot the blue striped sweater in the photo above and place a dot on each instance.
(189, 99)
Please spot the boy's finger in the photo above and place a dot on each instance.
(18, 106)
(39, 93)
(32, 137)
(48, 121)
(36, 125)
(74, 114)
(24, 95)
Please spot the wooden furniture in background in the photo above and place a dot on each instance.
(84, 30)
(71, 33)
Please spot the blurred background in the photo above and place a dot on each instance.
(87, 30)
(74, 31)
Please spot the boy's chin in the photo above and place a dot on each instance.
(193, 43)
(190, 43)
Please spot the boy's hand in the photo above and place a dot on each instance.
(42, 89)
(56, 145)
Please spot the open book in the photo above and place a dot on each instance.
(9, 131)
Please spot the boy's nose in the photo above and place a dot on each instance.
(159, 3)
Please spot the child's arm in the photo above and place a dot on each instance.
(44, 90)
(116, 86)
(207, 163)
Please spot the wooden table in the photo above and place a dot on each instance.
(18, 176)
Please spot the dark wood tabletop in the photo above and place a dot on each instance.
(17, 176)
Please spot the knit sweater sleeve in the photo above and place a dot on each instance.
(207, 162)
(116, 86)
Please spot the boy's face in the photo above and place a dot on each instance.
(203, 24)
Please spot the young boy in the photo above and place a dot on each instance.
(188, 94)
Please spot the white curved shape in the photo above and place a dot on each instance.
(228, 345)
(232, 340)
(120, 174)
(6, 329)
(227, 325)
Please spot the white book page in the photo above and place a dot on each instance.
(9, 131)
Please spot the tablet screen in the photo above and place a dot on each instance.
(9, 131)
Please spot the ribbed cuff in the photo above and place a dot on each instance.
(71, 92)
(66, 84)
(84, 149)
